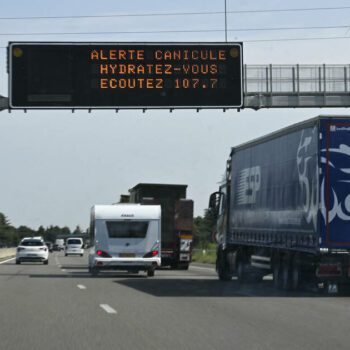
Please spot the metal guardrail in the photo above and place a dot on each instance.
(269, 86)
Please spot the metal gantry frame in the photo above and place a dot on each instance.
(287, 86)
(296, 86)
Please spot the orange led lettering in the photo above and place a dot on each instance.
(140, 69)
(159, 83)
(185, 55)
(113, 83)
(141, 81)
(104, 68)
(186, 68)
(149, 83)
(112, 54)
(122, 54)
(103, 56)
(168, 68)
(213, 69)
(131, 69)
(113, 68)
(122, 69)
(104, 83)
(167, 55)
(140, 55)
(177, 55)
(195, 55)
(158, 55)
(94, 55)
(222, 55)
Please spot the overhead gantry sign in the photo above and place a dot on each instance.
(125, 75)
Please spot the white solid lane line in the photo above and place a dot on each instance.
(108, 309)
(80, 286)
(5, 261)
(202, 268)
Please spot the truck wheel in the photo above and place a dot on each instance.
(18, 262)
(184, 266)
(286, 274)
(46, 262)
(277, 273)
(93, 271)
(150, 273)
(222, 266)
(296, 273)
(241, 272)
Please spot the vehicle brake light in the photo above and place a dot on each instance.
(329, 270)
(155, 252)
(151, 254)
(102, 254)
(19, 249)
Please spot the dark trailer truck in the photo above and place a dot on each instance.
(284, 207)
(176, 222)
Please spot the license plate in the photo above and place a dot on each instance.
(32, 255)
(127, 255)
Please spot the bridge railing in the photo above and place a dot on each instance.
(296, 79)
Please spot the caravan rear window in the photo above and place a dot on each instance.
(127, 229)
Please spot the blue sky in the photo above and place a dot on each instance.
(55, 165)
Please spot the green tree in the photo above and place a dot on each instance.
(203, 228)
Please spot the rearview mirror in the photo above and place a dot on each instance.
(214, 203)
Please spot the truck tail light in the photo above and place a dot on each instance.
(102, 254)
(19, 249)
(44, 249)
(329, 269)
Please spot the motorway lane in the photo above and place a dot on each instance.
(58, 307)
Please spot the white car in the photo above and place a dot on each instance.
(74, 246)
(32, 249)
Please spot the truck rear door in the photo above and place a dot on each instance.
(335, 182)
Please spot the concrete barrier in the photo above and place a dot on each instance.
(7, 252)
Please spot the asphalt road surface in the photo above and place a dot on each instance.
(60, 306)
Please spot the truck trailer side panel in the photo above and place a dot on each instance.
(274, 190)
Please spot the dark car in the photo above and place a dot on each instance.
(49, 246)
(55, 247)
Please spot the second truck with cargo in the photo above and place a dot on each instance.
(177, 219)
(284, 207)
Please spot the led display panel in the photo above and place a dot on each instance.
(125, 75)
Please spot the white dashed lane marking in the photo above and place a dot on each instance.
(80, 286)
(108, 309)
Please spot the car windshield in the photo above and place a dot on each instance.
(74, 241)
(32, 243)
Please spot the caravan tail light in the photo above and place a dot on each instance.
(154, 251)
(102, 254)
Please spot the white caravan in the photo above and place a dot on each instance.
(125, 237)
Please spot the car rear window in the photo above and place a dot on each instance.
(127, 229)
(32, 243)
(74, 241)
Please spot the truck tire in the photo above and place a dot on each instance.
(242, 272)
(93, 271)
(286, 273)
(18, 262)
(222, 267)
(150, 273)
(277, 272)
(184, 266)
(295, 273)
